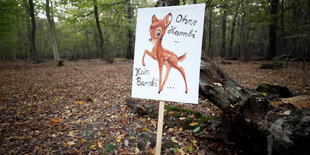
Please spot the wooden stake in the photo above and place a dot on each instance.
(160, 126)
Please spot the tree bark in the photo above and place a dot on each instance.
(52, 31)
(32, 33)
(232, 34)
(273, 29)
(130, 50)
(224, 16)
(204, 36)
(242, 34)
(101, 41)
(210, 33)
(89, 55)
(217, 87)
(248, 121)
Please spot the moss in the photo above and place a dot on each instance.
(176, 115)
(170, 108)
(181, 112)
(187, 122)
(204, 119)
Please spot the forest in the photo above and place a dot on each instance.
(64, 29)
(66, 70)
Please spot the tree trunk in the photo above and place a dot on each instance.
(224, 16)
(242, 34)
(232, 34)
(204, 36)
(248, 121)
(52, 31)
(101, 42)
(284, 46)
(273, 29)
(210, 33)
(130, 50)
(89, 55)
(32, 33)
(245, 44)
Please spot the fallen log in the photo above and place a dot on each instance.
(249, 122)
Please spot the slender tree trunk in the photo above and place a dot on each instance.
(232, 34)
(210, 33)
(223, 51)
(242, 35)
(87, 44)
(52, 31)
(130, 52)
(273, 29)
(283, 30)
(194, 1)
(98, 53)
(34, 57)
(245, 44)
(204, 36)
(101, 42)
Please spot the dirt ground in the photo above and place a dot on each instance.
(80, 108)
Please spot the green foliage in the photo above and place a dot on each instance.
(170, 108)
(77, 34)
(110, 147)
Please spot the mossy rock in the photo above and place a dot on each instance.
(282, 91)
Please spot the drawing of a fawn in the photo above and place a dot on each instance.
(158, 29)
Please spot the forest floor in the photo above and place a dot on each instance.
(80, 108)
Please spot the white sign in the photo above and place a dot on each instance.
(167, 53)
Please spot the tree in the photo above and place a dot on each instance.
(32, 33)
(52, 31)
(210, 33)
(232, 33)
(130, 52)
(273, 29)
(224, 16)
(101, 42)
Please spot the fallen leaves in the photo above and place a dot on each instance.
(193, 124)
(119, 138)
(71, 143)
(67, 110)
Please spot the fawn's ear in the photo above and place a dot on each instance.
(167, 19)
(154, 18)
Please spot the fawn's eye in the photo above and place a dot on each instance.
(157, 33)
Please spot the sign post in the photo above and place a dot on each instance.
(167, 56)
(160, 126)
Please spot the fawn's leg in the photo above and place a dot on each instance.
(160, 66)
(179, 68)
(148, 53)
(167, 74)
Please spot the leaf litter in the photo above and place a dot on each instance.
(80, 108)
